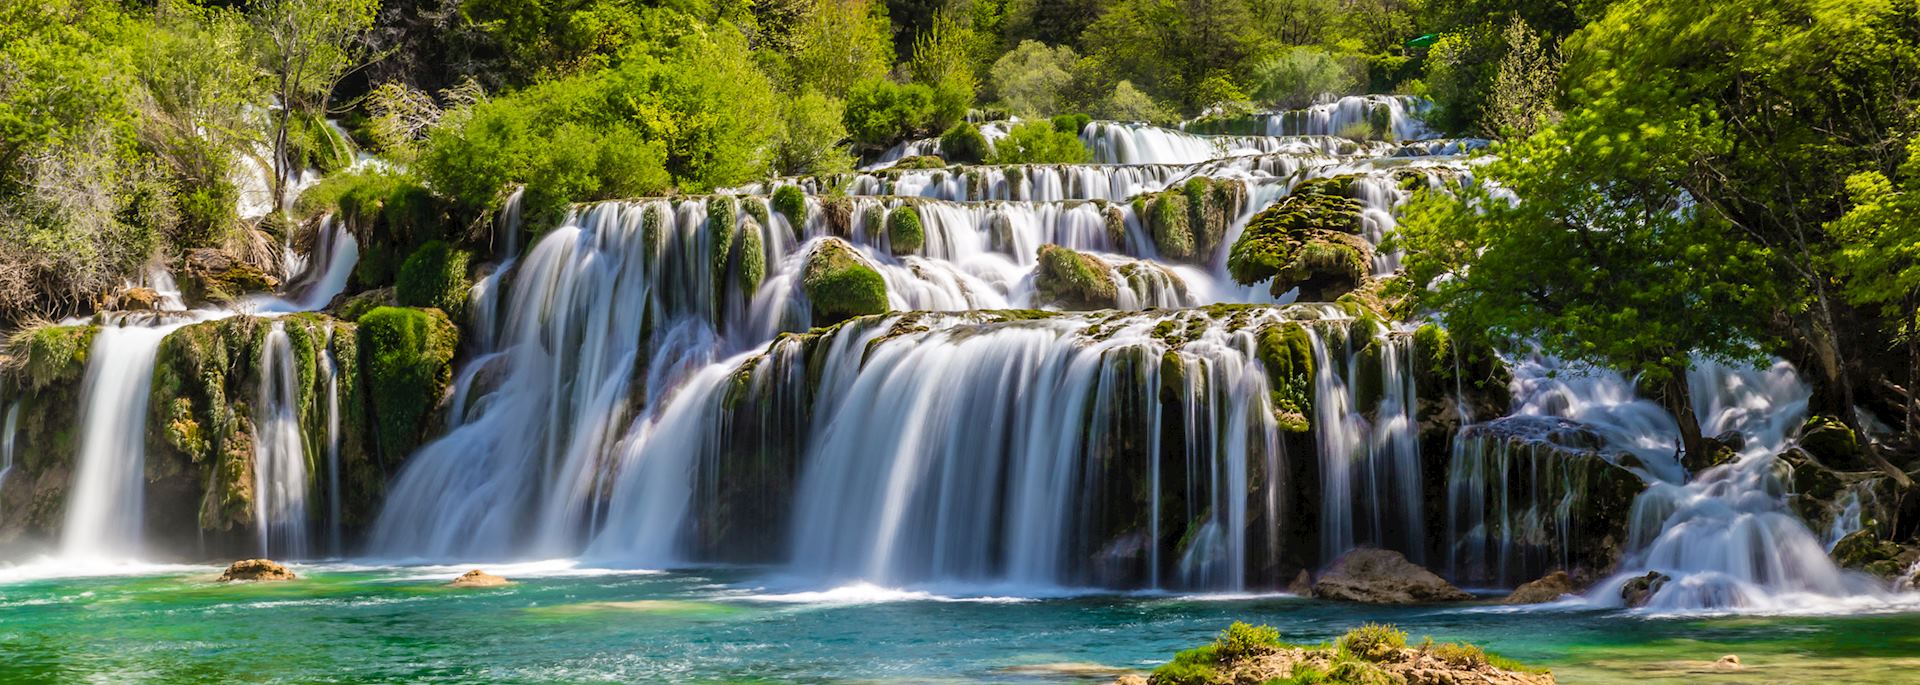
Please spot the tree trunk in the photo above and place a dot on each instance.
(1679, 400)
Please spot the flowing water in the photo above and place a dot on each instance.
(279, 453)
(103, 520)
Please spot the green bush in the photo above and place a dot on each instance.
(407, 356)
(1190, 667)
(1071, 123)
(1373, 642)
(963, 144)
(791, 202)
(392, 213)
(905, 235)
(840, 286)
(434, 276)
(880, 112)
(1295, 77)
(1037, 142)
(1242, 640)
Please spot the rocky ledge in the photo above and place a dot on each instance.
(1369, 654)
(1380, 576)
(256, 569)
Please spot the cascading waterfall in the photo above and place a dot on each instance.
(330, 374)
(11, 427)
(103, 520)
(279, 453)
(1370, 467)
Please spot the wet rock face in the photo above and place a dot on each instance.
(1641, 590)
(1865, 551)
(1547, 589)
(213, 275)
(1379, 576)
(256, 570)
(1532, 494)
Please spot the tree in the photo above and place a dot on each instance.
(1524, 86)
(841, 43)
(1877, 251)
(308, 46)
(811, 137)
(1039, 142)
(1031, 78)
(197, 79)
(1128, 103)
(1603, 258)
(1298, 76)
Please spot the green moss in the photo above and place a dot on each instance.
(1309, 240)
(791, 202)
(1073, 280)
(840, 286)
(873, 220)
(1285, 350)
(904, 232)
(1166, 217)
(434, 276)
(407, 358)
(43, 356)
(751, 268)
(756, 208)
(921, 162)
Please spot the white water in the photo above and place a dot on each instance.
(1369, 455)
(104, 506)
(11, 427)
(279, 455)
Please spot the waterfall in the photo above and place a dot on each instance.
(330, 373)
(103, 519)
(1368, 444)
(279, 457)
(9, 428)
(317, 282)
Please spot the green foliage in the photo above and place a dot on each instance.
(1038, 142)
(1460, 655)
(1241, 641)
(1127, 103)
(963, 144)
(841, 44)
(810, 138)
(1877, 245)
(47, 354)
(1190, 667)
(1070, 123)
(390, 212)
(435, 276)
(881, 112)
(1285, 351)
(407, 357)
(1073, 280)
(840, 286)
(1308, 241)
(1460, 68)
(791, 202)
(1298, 76)
(1032, 78)
(943, 59)
(1373, 642)
(307, 46)
(1525, 85)
(1183, 51)
(904, 233)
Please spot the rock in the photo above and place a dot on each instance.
(135, 300)
(1832, 443)
(1730, 662)
(921, 162)
(1131, 679)
(1717, 450)
(1073, 280)
(1379, 576)
(478, 578)
(256, 569)
(840, 285)
(212, 275)
(1641, 590)
(1302, 584)
(1865, 551)
(1311, 241)
(1547, 589)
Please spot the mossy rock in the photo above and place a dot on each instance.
(750, 262)
(921, 162)
(1188, 223)
(1833, 443)
(1285, 351)
(840, 285)
(1073, 280)
(1865, 551)
(44, 356)
(215, 276)
(407, 360)
(905, 235)
(435, 276)
(1307, 241)
(791, 202)
(1165, 216)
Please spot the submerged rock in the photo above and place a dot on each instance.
(1547, 589)
(1641, 590)
(478, 578)
(1380, 576)
(256, 569)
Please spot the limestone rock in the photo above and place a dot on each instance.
(1730, 662)
(1641, 590)
(1378, 576)
(256, 569)
(1547, 589)
(478, 578)
(1131, 679)
(213, 275)
(1302, 585)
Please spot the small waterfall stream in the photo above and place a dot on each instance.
(103, 520)
(280, 459)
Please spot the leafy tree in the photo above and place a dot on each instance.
(197, 80)
(943, 59)
(1294, 22)
(1128, 103)
(308, 46)
(811, 137)
(1188, 51)
(1298, 76)
(1524, 86)
(840, 44)
(881, 112)
(1031, 78)
(1603, 258)
(1877, 251)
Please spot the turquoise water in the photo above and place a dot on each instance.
(346, 624)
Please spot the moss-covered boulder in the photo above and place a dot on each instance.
(435, 276)
(750, 257)
(216, 276)
(407, 358)
(1286, 353)
(1188, 223)
(905, 235)
(791, 202)
(1865, 551)
(840, 284)
(1833, 443)
(1310, 241)
(921, 162)
(1073, 280)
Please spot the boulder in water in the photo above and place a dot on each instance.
(256, 569)
(1641, 590)
(1073, 280)
(840, 285)
(1549, 588)
(1865, 551)
(1379, 576)
(1717, 450)
(1833, 443)
(478, 578)
(1302, 584)
(1310, 241)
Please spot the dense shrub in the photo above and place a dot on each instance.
(1071, 123)
(810, 138)
(407, 356)
(880, 113)
(1373, 642)
(434, 276)
(1037, 142)
(963, 144)
(791, 202)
